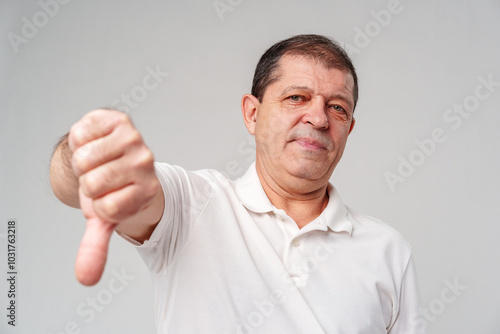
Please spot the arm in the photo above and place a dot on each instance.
(62, 179)
(409, 319)
(104, 167)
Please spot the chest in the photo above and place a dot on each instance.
(251, 263)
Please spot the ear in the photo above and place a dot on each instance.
(352, 125)
(249, 107)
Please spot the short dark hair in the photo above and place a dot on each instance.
(316, 47)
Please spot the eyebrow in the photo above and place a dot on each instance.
(286, 90)
(340, 96)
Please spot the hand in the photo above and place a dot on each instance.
(116, 178)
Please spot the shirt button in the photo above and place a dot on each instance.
(281, 218)
(296, 242)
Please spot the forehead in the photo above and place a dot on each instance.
(303, 71)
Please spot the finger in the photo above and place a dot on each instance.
(123, 138)
(93, 125)
(123, 203)
(94, 153)
(93, 251)
(116, 174)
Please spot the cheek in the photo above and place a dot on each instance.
(270, 130)
(339, 134)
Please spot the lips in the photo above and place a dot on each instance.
(310, 143)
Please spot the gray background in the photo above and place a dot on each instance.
(415, 67)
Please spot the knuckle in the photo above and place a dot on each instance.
(75, 137)
(108, 208)
(90, 185)
(78, 165)
(145, 160)
(85, 157)
(117, 207)
(97, 112)
(71, 133)
(134, 138)
(121, 117)
(81, 132)
(118, 119)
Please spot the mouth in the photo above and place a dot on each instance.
(311, 144)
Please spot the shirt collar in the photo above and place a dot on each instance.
(335, 213)
(250, 192)
(253, 197)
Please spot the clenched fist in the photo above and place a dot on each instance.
(117, 185)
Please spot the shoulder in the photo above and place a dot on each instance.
(173, 172)
(365, 226)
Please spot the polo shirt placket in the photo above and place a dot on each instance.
(296, 250)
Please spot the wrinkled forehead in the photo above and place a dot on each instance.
(291, 65)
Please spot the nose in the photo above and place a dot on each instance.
(316, 114)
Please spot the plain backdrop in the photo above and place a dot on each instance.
(418, 62)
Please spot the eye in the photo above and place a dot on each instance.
(295, 98)
(336, 107)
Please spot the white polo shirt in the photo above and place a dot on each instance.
(223, 259)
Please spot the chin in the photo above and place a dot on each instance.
(310, 170)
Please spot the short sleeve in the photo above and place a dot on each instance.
(408, 319)
(186, 195)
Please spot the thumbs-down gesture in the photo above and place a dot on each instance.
(117, 186)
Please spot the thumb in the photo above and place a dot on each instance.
(93, 251)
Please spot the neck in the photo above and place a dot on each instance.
(302, 201)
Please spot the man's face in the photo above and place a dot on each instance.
(302, 124)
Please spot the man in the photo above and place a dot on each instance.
(273, 252)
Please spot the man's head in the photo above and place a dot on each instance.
(316, 47)
(302, 113)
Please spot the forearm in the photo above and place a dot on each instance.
(62, 178)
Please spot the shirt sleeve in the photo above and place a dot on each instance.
(186, 195)
(408, 319)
